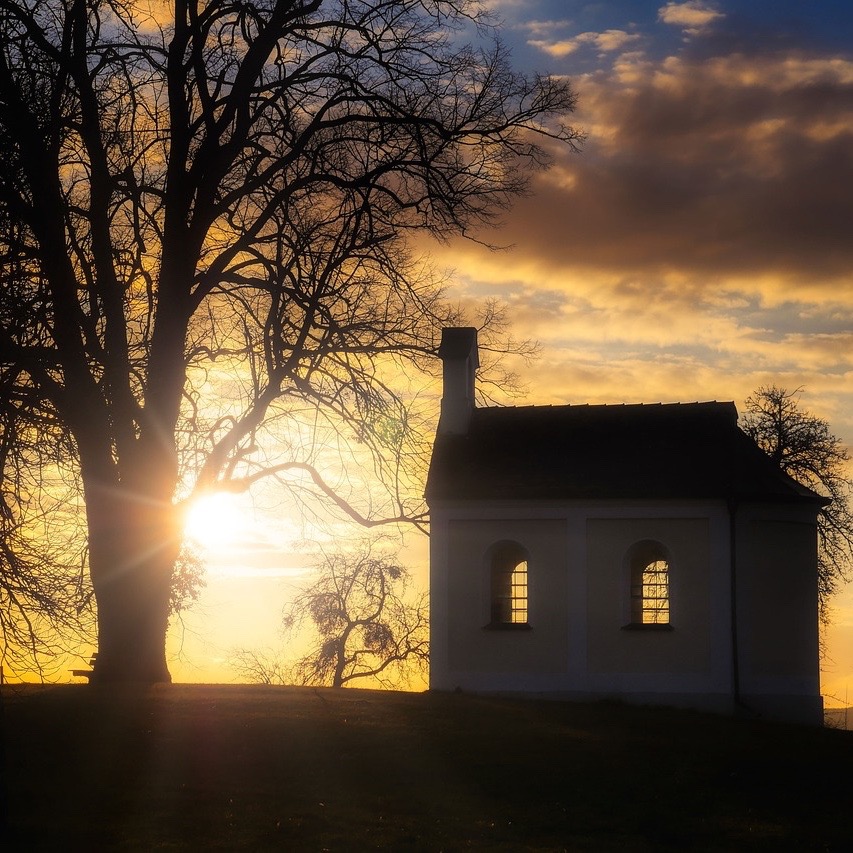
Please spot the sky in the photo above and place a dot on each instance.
(699, 246)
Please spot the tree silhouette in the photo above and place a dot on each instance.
(365, 625)
(803, 446)
(204, 209)
(258, 667)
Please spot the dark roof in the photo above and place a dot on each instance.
(658, 451)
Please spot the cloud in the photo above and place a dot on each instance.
(153, 15)
(607, 42)
(728, 167)
(542, 28)
(693, 17)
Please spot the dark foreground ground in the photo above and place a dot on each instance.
(276, 768)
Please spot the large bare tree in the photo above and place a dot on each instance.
(204, 210)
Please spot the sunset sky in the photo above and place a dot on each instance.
(699, 246)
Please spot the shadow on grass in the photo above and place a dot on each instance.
(278, 768)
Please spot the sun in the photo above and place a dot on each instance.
(216, 520)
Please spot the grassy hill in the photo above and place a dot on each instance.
(275, 768)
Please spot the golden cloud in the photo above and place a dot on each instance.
(726, 168)
(606, 42)
(693, 16)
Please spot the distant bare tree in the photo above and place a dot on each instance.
(257, 667)
(205, 278)
(802, 445)
(365, 624)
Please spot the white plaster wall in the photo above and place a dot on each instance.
(777, 601)
(573, 611)
(695, 655)
(579, 590)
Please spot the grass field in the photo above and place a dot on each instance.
(276, 768)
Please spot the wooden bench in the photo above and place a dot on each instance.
(86, 673)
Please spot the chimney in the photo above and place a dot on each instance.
(458, 351)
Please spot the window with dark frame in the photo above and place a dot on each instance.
(650, 592)
(509, 590)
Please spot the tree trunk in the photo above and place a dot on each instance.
(133, 544)
(341, 657)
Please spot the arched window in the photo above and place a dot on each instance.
(508, 567)
(649, 584)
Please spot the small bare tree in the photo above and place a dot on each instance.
(802, 445)
(258, 667)
(365, 623)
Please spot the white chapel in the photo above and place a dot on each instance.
(649, 553)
